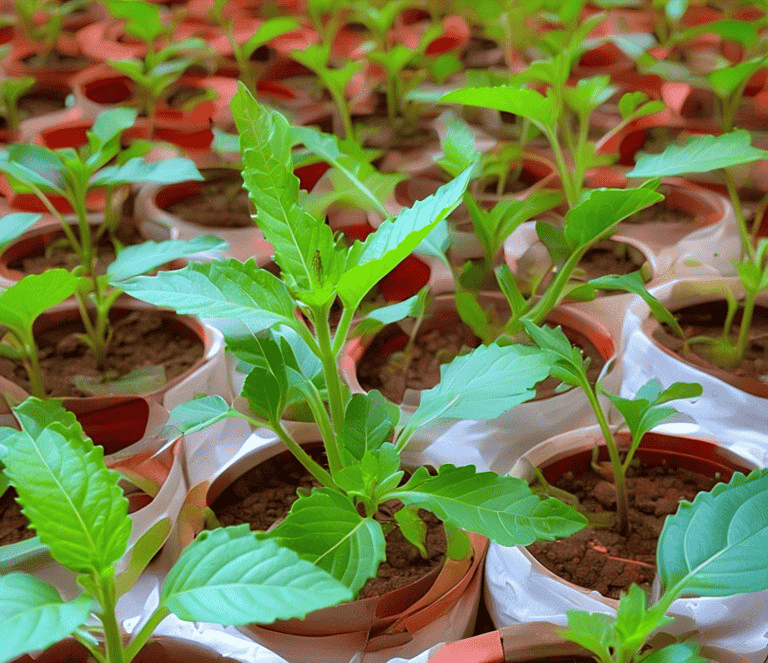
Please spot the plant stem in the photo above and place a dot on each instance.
(302, 456)
(333, 384)
(742, 342)
(112, 639)
(146, 631)
(31, 362)
(733, 194)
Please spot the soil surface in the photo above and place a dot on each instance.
(222, 202)
(381, 365)
(660, 213)
(265, 494)
(56, 60)
(600, 558)
(13, 523)
(610, 257)
(141, 338)
(707, 320)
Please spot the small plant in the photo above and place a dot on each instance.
(11, 90)
(72, 174)
(292, 359)
(703, 154)
(716, 556)
(76, 507)
(43, 34)
(640, 414)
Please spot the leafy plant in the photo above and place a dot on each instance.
(361, 433)
(75, 505)
(640, 414)
(72, 174)
(43, 33)
(702, 154)
(705, 549)
(11, 90)
(155, 76)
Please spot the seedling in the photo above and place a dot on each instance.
(11, 90)
(43, 33)
(640, 414)
(72, 174)
(714, 557)
(229, 576)
(361, 433)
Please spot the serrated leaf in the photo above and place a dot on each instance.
(139, 259)
(369, 421)
(700, 154)
(483, 384)
(593, 631)
(33, 615)
(503, 508)
(394, 240)
(238, 297)
(602, 209)
(13, 225)
(229, 576)
(634, 622)
(195, 415)
(71, 499)
(715, 546)
(568, 363)
(326, 529)
(372, 477)
(516, 100)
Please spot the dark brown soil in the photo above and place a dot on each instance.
(610, 257)
(434, 346)
(660, 213)
(13, 523)
(56, 60)
(41, 102)
(265, 494)
(58, 253)
(222, 203)
(707, 320)
(600, 558)
(141, 338)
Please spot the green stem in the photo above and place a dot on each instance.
(562, 167)
(742, 342)
(342, 330)
(97, 655)
(552, 295)
(146, 632)
(733, 194)
(622, 510)
(302, 456)
(31, 362)
(54, 212)
(112, 639)
(86, 246)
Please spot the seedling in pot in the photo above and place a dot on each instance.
(640, 414)
(86, 526)
(361, 433)
(708, 548)
(73, 174)
(11, 90)
(702, 154)
(156, 75)
(43, 34)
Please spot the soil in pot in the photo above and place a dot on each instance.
(601, 558)
(40, 101)
(265, 494)
(661, 213)
(55, 61)
(610, 257)
(13, 523)
(436, 345)
(141, 338)
(707, 319)
(220, 201)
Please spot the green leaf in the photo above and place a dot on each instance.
(33, 615)
(394, 240)
(373, 477)
(459, 147)
(141, 554)
(142, 258)
(726, 80)
(296, 235)
(71, 499)
(34, 165)
(195, 415)
(715, 546)
(369, 421)
(678, 652)
(554, 239)
(229, 576)
(436, 243)
(13, 225)
(413, 528)
(110, 124)
(593, 631)
(139, 171)
(634, 622)
(237, 297)
(144, 379)
(413, 307)
(602, 209)
(515, 100)
(568, 362)
(34, 294)
(326, 529)
(267, 31)
(503, 508)
(266, 386)
(700, 154)
(483, 384)
(634, 283)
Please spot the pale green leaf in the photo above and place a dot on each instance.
(34, 294)
(137, 170)
(33, 615)
(413, 307)
(230, 576)
(195, 415)
(142, 380)
(13, 225)
(515, 100)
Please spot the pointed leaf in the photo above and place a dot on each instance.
(195, 415)
(13, 225)
(515, 100)
(715, 546)
(326, 529)
(412, 527)
(266, 386)
(700, 154)
(136, 170)
(593, 631)
(369, 421)
(503, 508)
(229, 576)
(26, 299)
(33, 615)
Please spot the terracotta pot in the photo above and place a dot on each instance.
(534, 642)
(118, 421)
(492, 445)
(399, 623)
(519, 589)
(57, 76)
(730, 405)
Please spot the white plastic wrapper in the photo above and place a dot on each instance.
(519, 589)
(727, 412)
